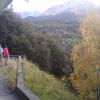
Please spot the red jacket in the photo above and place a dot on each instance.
(5, 52)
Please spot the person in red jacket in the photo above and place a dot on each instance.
(6, 54)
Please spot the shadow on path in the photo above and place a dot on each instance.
(13, 96)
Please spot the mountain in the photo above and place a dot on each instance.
(75, 6)
(29, 13)
(61, 20)
(63, 16)
(65, 24)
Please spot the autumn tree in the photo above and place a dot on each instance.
(86, 57)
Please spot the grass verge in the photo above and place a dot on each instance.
(44, 85)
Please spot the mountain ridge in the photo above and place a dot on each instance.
(77, 7)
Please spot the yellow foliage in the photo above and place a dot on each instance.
(86, 57)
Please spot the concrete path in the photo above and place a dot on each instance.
(10, 97)
(6, 92)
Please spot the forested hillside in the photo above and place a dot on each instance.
(63, 27)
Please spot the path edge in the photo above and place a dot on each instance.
(21, 90)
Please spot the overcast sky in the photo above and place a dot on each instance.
(39, 5)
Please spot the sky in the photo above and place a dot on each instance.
(36, 5)
(40, 5)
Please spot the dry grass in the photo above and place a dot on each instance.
(11, 73)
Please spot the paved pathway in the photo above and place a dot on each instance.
(10, 97)
(6, 92)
